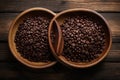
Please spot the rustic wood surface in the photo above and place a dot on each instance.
(108, 69)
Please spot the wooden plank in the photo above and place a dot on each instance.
(113, 56)
(5, 22)
(103, 71)
(59, 5)
(6, 55)
(112, 18)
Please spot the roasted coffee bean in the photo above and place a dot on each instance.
(84, 38)
(32, 41)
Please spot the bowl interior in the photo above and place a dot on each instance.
(56, 45)
(12, 33)
(60, 19)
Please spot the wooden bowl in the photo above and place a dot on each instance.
(12, 32)
(60, 17)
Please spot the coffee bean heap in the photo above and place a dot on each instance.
(31, 39)
(84, 38)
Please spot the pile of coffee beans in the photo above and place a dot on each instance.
(84, 38)
(32, 39)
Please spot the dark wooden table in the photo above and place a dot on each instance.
(108, 69)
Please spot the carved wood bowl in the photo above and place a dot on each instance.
(14, 27)
(59, 19)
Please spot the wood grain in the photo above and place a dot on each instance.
(59, 5)
(102, 71)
